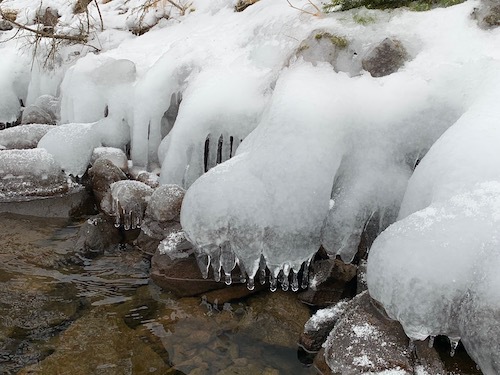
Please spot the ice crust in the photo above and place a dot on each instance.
(30, 173)
(22, 137)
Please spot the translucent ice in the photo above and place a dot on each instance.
(127, 202)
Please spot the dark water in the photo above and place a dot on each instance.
(105, 317)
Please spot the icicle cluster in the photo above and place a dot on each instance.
(223, 261)
(128, 202)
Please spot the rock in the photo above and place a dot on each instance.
(49, 17)
(126, 201)
(5, 25)
(361, 277)
(148, 178)
(386, 58)
(33, 114)
(330, 281)
(102, 174)
(114, 155)
(49, 104)
(96, 235)
(318, 327)
(180, 276)
(487, 14)
(427, 359)
(323, 46)
(243, 4)
(163, 211)
(107, 346)
(365, 340)
(276, 319)
(22, 137)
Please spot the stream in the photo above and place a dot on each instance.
(104, 316)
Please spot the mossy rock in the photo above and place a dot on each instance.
(416, 5)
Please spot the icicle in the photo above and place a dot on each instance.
(227, 257)
(262, 270)
(243, 273)
(431, 341)
(228, 280)
(454, 345)
(305, 275)
(216, 266)
(127, 217)
(285, 283)
(273, 282)
(203, 261)
(295, 281)
(250, 283)
(117, 220)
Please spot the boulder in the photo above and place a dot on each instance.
(5, 25)
(241, 5)
(162, 213)
(385, 58)
(96, 235)
(330, 281)
(487, 14)
(35, 115)
(22, 137)
(115, 155)
(364, 340)
(102, 174)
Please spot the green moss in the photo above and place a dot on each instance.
(336, 40)
(415, 5)
(363, 20)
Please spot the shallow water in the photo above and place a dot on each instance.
(105, 317)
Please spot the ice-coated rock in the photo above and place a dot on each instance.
(434, 272)
(21, 137)
(71, 145)
(161, 218)
(36, 115)
(30, 173)
(49, 104)
(385, 58)
(102, 174)
(126, 202)
(114, 155)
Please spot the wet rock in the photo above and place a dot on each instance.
(33, 114)
(427, 359)
(331, 280)
(318, 327)
(365, 340)
(96, 235)
(107, 346)
(23, 137)
(487, 14)
(386, 58)
(114, 155)
(181, 276)
(126, 201)
(102, 174)
(361, 285)
(149, 178)
(323, 46)
(5, 25)
(163, 211)
(276, 319)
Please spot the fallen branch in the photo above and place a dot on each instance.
(319, 12)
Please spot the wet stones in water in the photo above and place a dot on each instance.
(102, 174)
(95, 236)
(332, 280)
(386, 58)
(487, 14)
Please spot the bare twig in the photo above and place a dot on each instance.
(45, 34)
(318, 13)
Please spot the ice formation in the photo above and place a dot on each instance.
(71, 145)
(127, 202)
(25, 136)
(30, 173)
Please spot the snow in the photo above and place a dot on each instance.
(323, 316)
(115, 155)
(280, 155)
(25, 136)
